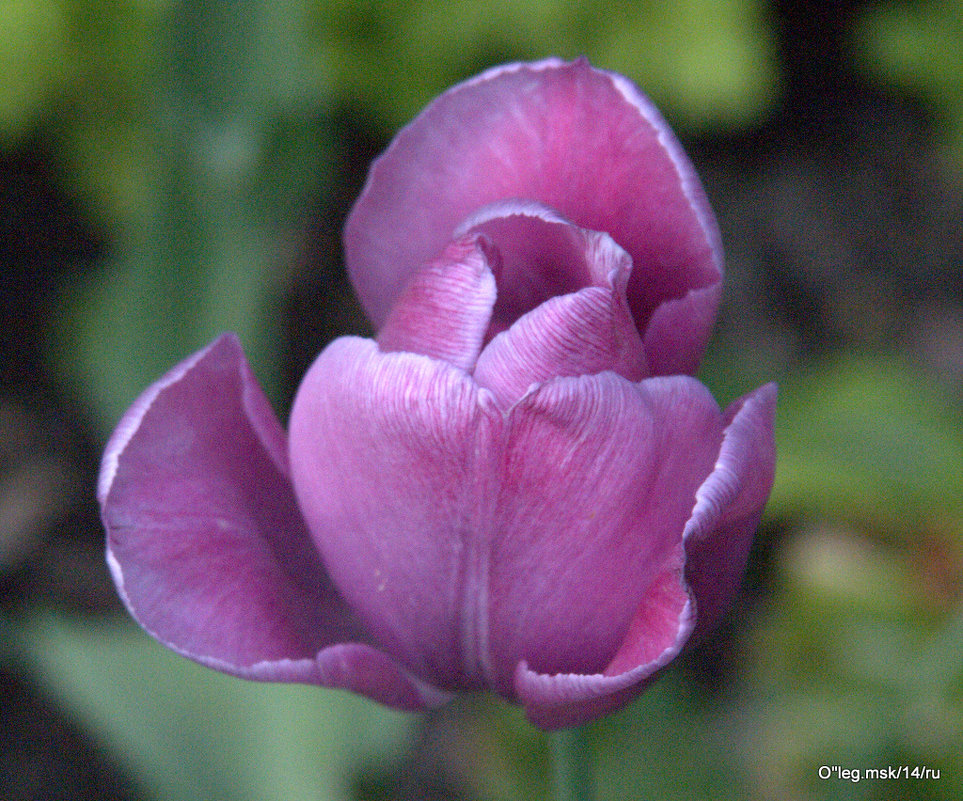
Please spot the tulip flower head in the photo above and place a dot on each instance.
(517, 486)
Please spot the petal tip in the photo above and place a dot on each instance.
(129, 424)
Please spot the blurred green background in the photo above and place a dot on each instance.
(169, 170)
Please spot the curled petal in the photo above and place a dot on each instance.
(205, 541)
(369, 672)
(445, 310)
(600, 477)
(658, 631)
(543, 255)
(581, 141)
(588, 331)
(572, 335)
(729, 505)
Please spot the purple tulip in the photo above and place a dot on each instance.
(514, 488)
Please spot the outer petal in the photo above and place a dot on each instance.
(716, 540)
(208, 548)
(582, 141)
(390, 456)
(729, 505)
(601, 476)
(661, 626)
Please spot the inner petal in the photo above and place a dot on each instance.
(542, 255)
(445, 309)
(561, 308)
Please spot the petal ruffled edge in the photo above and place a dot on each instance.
(262, 643)
(729, 505)
(566, 699)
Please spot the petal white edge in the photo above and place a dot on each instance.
(688, 179)
(511, 207)
(130, 422)
(723, 485)
(598, 685)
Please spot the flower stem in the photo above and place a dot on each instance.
(571, 766)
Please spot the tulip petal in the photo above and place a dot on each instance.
(672, 339)
(582, 141)
(391, 467)
(729, 505)
(543, 255)
(369, 672)
(658, 632)
(567, 286)
(583, 333)
(207, 546)
(579, 334)
(601, 476)
(445, 310)
(716, 539)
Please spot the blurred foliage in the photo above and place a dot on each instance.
(87, 68)
(919, 46)
(225, 125)
(858, 664)
(195, 131)
(857, 657)
(35, 62)
(192, 734)
(705, 61)
(865, 441)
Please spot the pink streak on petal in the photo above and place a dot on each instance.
(663, 619)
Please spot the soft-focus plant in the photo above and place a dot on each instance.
(919, 46)
(513, 487)
(712, 62)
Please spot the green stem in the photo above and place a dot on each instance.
(571, 766)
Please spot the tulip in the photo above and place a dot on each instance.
(516, 487)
